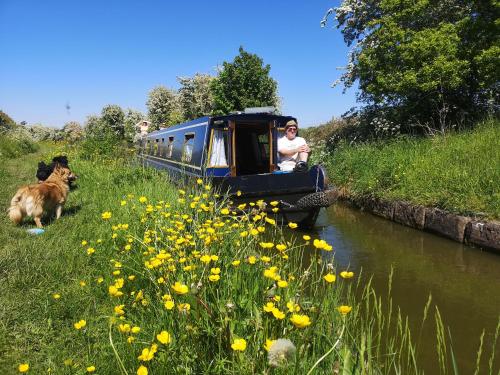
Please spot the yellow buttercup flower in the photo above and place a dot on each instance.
(80, 324)
(23, 367)
(136, 329)
(252, 259)
(56, 296)
(300, 321)
(180, 288)
(330, 278)
(106, 215)
(199, 181)
(280, 247)
(239, 345)
(306, 237)
(119, 310)
(344, 310)
(169, 305)
(346, 274)
(269, 307)
(184, 307)
(282, 284)
(278, 314)
(268, 344)
(292, 225)
(91, 369)
(214, 278)
(164, 337)
(206, 258)
(236, 263)
(270, 221)
(142, 370)
(148, 353)
(292, 306)
(124, 328)
(224, 211)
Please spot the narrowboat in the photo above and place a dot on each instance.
(238, 152)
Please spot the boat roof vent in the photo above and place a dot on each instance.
(260, 110)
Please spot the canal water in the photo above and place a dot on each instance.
(464, 281)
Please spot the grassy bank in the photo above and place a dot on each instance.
(140, 277)
(459, 172)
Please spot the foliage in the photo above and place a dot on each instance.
(6, 122)
(43, 133)
(73, 131)
(163, 107)
(427, 64)
(15, 147)
(113, 118)
(243, 83)
(458, 172)
(132, 117)
(195, 96)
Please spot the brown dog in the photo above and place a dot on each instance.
(45, 197)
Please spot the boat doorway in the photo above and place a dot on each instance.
(252, 148)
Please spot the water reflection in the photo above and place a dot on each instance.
(464, 281)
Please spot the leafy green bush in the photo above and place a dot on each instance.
(108, 145)
(12, 148)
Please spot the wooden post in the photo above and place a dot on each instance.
(272, 162)
(232, 128)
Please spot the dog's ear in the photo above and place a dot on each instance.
(61, 159)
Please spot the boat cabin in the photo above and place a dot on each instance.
(237, 151)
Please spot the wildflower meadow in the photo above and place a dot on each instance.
(142, 276)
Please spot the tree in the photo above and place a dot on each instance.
(113, 117)
(6, 123)
(132, 117)
(43, 133)
(95, 127)
(243, 83)
(422, 62)
(195, 96)
(163, 107)
(72, 131)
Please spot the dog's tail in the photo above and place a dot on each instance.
(15, 211)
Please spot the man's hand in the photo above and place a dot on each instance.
(304, 148)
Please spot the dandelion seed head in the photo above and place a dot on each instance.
(280, 352)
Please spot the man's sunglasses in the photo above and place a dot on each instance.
(294, 129)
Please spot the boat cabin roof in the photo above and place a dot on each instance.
(216, 120)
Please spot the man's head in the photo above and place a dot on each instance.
(291, 129)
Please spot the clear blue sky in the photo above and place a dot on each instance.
(91, 53)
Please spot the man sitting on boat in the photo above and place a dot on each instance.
(293, 151)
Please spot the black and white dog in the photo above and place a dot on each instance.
(44, 171)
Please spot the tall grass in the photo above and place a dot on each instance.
(458, 171)
(127, 230)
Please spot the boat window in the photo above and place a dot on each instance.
(219, 148)
(162, 147)
(156, 147)
(170, 147)
(187, 149)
